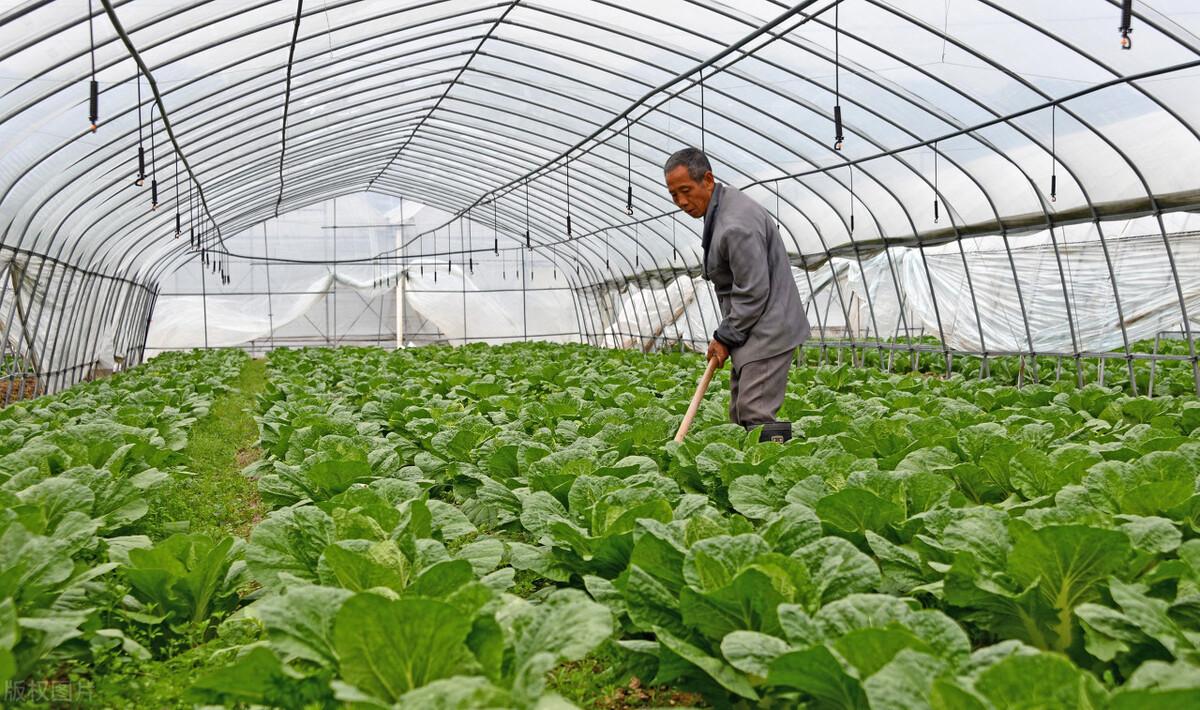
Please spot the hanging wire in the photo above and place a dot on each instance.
(838, 136)
(629, 166)
(94, 86)
(178, 218)
(141, 178)
(637, 247)
(528, 243)
(568, 197)
(191, 219)
(935, 182)
(153, 164)
(945, 30)
(403, 243)
(1126, 27)
(471, 253)
(674, 250)
(851, 167)
(703, 133)
(1053, 158)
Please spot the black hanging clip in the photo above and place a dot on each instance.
(1126, 27)
(838, 137)
(94, 105)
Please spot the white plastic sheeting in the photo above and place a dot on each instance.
(848, 299)
(1144, 281)
(296, 299)
(185, 322)
(45, 307)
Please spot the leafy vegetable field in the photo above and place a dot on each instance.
(511, 527)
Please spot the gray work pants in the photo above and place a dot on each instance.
(756, 390)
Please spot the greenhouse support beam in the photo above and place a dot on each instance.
(1062, 279)
(1112, 277)
(449, 86)
(287, 101)
(1012, 264)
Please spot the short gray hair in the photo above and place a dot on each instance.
(693, 159)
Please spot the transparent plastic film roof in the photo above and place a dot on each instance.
(860, 124)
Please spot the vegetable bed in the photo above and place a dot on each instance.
(460, 528)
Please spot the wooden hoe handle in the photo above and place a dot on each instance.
(695, 405)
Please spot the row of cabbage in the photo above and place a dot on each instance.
(450, 524)
(78, 474)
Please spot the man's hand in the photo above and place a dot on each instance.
(717, 350)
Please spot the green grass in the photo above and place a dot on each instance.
(151, 685)
(217, 499)
(609, 679)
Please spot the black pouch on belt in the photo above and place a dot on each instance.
(779, 432)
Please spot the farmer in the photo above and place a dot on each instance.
(763, 321)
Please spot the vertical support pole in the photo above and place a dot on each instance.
(65, 353)
(1112, 276)
(812, 301)
(983, 366)
(937, 312)
(1021, 303)
(401, 279)
(333, 287)
(95, 326)
(270, 299)
(204, 294)
(462, 240)
(1067, 306)
(17, 276)
(150, 303)
(45, 362)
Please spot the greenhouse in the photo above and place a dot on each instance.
(354, 354)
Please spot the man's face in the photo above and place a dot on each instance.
(690, 196)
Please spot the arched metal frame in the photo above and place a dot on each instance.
(430, 134)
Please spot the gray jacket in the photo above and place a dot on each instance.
(746, 261)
